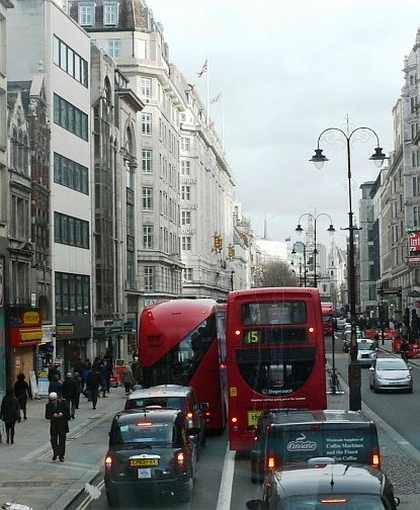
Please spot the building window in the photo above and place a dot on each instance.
(186, 243)
(147, 237)
(110, 13)
(146, 87)
(70, 118)
(146, 123)
(185, 144)
(72, 294)
(70, 174)
(186, 192)
(188, 274)
(147, 161)
(185, 167)
(70, 62)
(86, 14)
(185, 217)
(149, 278)
(71, 231)
(114, 48)
(147, 195)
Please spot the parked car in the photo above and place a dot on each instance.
(150, 453)
(172, 396)
(327, 486)
(390, 374)
(367, 351)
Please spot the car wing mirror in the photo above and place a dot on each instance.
(204, 406)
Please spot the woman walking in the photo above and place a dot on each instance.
(9, 413)
(22, 393)
(127, 379)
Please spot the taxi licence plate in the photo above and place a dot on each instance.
(144, 462)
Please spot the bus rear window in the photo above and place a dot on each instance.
(278, 312)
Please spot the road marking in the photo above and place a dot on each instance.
(225, 491)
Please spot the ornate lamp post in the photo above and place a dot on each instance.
(354, 374)
(299, 230)
(300, 247)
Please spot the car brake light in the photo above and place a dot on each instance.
(271, 460)
(376, 459)
(234, 419)
(109, 461)
(180, 460)
(190, 416)
(333, 501)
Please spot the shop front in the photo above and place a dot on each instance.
(25, 334)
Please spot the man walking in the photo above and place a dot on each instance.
(57, 411)
(71, 392)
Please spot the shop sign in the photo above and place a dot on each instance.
(20, 337)
(117, 326)
(31, 318)
(128, 327)
(414, 242)
(99, 333)
(65, 329)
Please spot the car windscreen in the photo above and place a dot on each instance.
(398, 364)
(157, 401)
(295, 446)
(144, 432)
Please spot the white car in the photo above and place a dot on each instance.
(366, 351)
(390, 374)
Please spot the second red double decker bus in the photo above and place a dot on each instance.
(275, 356)
(183, 342)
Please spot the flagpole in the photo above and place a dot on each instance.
(223, 122)
(208, 90)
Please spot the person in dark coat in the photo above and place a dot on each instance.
(70, 392)
(57, 411)
(56, 386)
(22, 393)
(93, 382)
(9, 412)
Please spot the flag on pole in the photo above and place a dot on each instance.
(203, 69)
(191, 87)
(216, 98)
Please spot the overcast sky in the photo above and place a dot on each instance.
(287, 70)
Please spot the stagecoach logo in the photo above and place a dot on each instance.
(300, 444)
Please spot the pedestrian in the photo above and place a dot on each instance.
(127, 379)
(93, 382)
(57, 411)
(404, 348)
(79, 383)
(22, 393)
(106, 372)
(56, 386)
(54, 370)
(9, 412)
(70, 392)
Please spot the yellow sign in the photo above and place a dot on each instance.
(31, 317)
(253, 418)
(65, 329)
(233, 391)
(30, 335)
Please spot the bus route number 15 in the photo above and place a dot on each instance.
(252, 337)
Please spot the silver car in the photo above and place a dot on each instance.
(366, 351)
(390, 374)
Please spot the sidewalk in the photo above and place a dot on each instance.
(400, 461)
(27, 473)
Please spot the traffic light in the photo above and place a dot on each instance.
(217, 242)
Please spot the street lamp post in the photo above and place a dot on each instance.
(300, 247)
(354, 374)
(299, 230)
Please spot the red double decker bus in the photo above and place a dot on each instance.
(183, 342)
(275, 356)
(328, 317)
